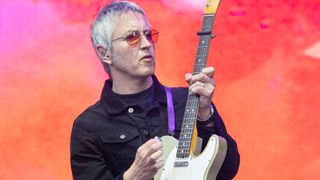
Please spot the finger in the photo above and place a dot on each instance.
(152, 170)
(214, 84)
(201, 77)
(156, 166)
(202, 89)
(209, 71)
(145, 145)
(188, 77)
(159, 164)
(155, 156)
(149, 148)
(151, 142)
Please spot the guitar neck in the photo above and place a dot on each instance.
(191, 110)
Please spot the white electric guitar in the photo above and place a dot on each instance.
(182, 162)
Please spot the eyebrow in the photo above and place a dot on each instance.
(136, 30)
(128, 32)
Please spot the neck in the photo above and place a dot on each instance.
(131, 86)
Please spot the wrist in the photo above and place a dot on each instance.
(204, 114)
(209, 120)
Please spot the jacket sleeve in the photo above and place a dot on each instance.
(87, 161)
(231, 162)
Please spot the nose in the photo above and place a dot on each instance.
(145, 43)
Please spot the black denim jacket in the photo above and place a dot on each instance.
(105, 138)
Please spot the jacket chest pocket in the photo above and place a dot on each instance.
(120, 146)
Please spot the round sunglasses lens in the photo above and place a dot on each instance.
(133, 38)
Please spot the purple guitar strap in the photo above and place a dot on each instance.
(171, 121)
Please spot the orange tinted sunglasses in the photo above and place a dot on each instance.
(134, 37)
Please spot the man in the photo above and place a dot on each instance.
(116, 138)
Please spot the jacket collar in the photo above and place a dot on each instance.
(113, 104)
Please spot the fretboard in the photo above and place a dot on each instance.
(190, 114)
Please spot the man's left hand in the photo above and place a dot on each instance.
(202, 84)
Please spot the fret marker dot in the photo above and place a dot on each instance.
(202, 42)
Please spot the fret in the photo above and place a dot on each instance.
(186, 138)
(190, 126)
(184, 143)
(186, 132)
(186, 135)
(184, 146)
(187, 127)
(198, 64)
(190, 113)
(190, 116)
(192, 98)
(190, 119)
(190, 105)
(202, 49)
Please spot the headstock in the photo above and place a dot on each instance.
(211, 6)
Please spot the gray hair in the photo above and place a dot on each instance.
(103, 24)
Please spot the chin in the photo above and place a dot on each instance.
(147, 73)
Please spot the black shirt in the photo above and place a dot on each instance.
(106, 136)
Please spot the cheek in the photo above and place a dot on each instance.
(122, 54)
(128, 58)
(132, 56)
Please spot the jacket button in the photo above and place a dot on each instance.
(130, 110)
(146, 132)
(122, 136)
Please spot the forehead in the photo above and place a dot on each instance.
(128, 22)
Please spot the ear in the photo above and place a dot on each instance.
(103, 54)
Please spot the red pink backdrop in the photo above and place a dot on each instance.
(267, 60)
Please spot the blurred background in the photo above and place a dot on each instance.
(267, 60)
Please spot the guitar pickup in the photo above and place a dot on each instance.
(181, 164)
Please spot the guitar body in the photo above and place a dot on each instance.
(204, 166)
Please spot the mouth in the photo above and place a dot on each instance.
(147, 58)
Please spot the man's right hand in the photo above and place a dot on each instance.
(147, 161)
